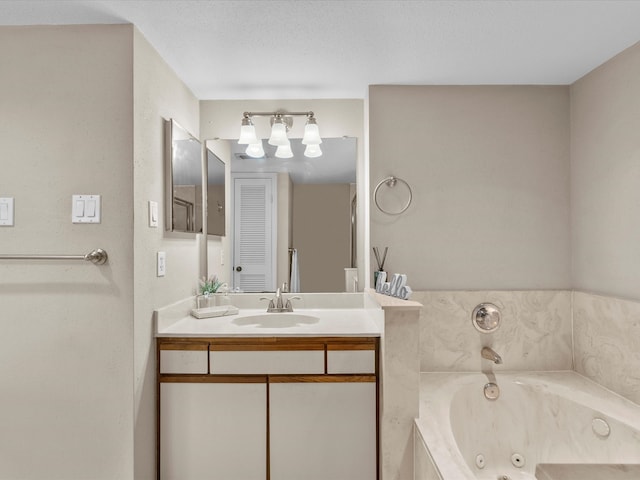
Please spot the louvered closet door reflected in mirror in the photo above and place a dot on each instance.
(253, 242)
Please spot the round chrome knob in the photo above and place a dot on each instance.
(486, 318)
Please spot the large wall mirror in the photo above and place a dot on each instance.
(286, 205)
(185, 192)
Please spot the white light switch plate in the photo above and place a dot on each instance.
(85, 209)
(162, 264)
(6, 212)
(153, 214)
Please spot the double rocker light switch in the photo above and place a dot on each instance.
(6, 212)
(85, 209)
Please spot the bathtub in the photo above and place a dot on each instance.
(539, 422)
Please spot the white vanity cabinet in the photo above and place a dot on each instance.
(213, 427)
(268, 408)
(324, 430)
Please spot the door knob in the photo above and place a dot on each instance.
(238, 269)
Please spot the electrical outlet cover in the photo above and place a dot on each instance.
(162, 264)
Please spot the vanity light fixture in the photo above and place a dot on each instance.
(281, 122)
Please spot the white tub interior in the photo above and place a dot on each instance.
(539, 418)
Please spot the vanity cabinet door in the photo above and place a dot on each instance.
(321, 431)
(213, 431)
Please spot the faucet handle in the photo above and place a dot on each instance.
(288, 306)
(271, 305)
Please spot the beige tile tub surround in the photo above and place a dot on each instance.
(400, 385)
(607, 342)
(535, 330)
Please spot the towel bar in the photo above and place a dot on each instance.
(97, 257)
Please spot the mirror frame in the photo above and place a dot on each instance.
(170, 126)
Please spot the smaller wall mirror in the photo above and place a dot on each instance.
(215, 194)
(184, 195)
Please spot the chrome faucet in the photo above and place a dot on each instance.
(277, 304)
(490, 354)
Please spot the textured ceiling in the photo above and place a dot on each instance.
(334, 49)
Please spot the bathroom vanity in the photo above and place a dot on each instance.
(281, 396)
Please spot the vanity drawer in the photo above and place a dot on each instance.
(180, 358)
(346, 358)
(234, 362)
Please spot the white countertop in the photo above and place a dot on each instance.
(340, 322)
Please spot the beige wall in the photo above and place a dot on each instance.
(336, 118)
(489, 169)
(86, 107)
(66, 371)
(158, 94)
(321, 233)
(605, 168)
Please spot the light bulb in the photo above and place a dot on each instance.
(247, 132)
(311, 133)
(278, 133)
(255, 150)
(312, 151)
(284, 151)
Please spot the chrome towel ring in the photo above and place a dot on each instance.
(392, 182)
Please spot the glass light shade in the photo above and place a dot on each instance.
(278, 134)
(312, 151)
(284, 151)
(255, 150)
(247, 135)
(311, 135)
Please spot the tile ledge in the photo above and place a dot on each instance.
(606, 296)
(392, 303)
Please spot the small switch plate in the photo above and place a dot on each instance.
(162, 264)
(6, 212)
(85, 209)
(153, 214)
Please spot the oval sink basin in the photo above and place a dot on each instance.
(276, 320)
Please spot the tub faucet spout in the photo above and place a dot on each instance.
(490, 354)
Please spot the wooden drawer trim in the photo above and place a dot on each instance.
(352, 346)
(197, 378)
(264, 347)
(303, 378)
(287, 342)
(322, 378)
(184, 346)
